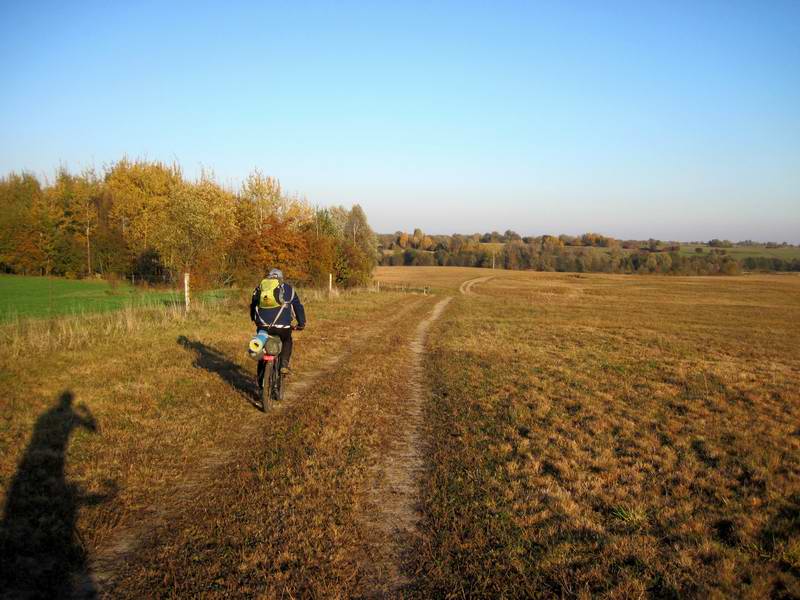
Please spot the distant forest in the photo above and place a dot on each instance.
(146, 222)
(589, 252)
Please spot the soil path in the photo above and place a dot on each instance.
(105, 563)
(396, 493)
(466, 287)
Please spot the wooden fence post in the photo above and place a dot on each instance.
(186, 289)
(330, 283)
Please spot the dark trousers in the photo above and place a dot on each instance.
(286, 351)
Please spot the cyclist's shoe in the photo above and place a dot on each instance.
(285, 370)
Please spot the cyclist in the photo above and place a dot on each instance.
(272, 308)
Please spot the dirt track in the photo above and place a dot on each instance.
(396, 492)
(388, 515)
(159, 534)
(466, 287)
(128, 541)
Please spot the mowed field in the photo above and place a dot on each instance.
(611, 435)
(547, 435)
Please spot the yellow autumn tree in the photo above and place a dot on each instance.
(141, 193)
(198, 227)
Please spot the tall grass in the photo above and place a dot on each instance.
(19, 335)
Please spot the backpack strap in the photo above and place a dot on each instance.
(283, 306)
(278, 316)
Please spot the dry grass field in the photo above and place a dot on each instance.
(581, 436)
(132, 459)
(610, 435)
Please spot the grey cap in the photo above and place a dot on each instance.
(275, 274)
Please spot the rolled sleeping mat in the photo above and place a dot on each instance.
(256, 346)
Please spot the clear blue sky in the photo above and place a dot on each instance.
(676, 120)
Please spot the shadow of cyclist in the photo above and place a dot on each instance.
(41, 554)
(214, 361)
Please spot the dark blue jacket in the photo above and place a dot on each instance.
(263, 317)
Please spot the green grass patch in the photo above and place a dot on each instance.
(47, 297)
(740, 252)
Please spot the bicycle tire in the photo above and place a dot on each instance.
(276, 380)
(264, 384)
(279, 386)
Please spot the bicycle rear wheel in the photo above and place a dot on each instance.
(276, 380)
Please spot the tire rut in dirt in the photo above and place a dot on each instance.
(394, 495)
(128, 541)
(283, 519)
(466, 287)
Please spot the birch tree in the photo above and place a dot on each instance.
(199, 226)
(358, 231)
(85, 198)
(264, 196)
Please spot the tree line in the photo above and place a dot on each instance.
(589, 252)
(145, 221)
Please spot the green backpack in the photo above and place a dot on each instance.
(271, 294)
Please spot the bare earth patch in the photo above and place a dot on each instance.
(396, 493)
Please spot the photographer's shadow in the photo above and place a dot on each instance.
(41, 552)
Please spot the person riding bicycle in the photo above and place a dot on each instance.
(272, 308)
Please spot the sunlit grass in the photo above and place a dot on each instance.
(170, 395)
(613, 436)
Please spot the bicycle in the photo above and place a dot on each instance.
(272, 389)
